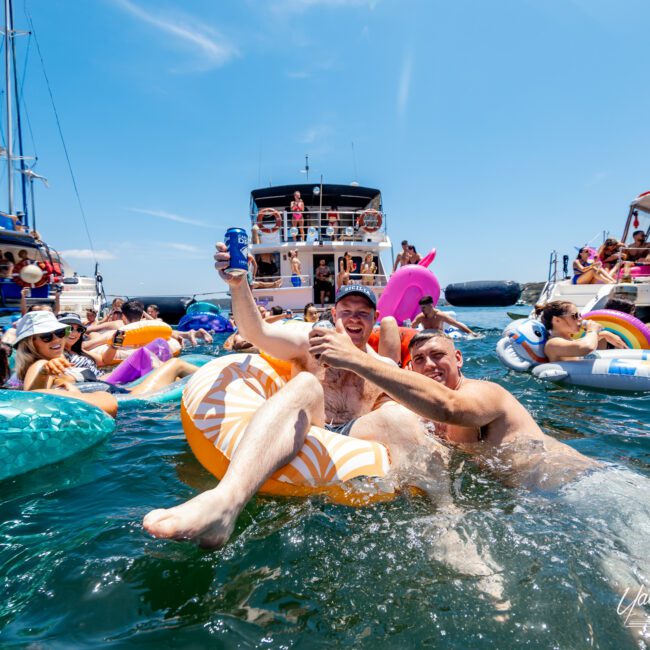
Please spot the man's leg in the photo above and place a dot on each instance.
(274, 436)
(402, 432)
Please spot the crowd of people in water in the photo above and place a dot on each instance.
(612, 262)
(56, 351)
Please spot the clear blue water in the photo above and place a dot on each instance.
(501, 568)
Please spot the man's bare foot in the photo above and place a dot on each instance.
(205, 520)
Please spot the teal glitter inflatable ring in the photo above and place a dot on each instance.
(38, 429)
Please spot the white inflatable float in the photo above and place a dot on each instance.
(522, 349)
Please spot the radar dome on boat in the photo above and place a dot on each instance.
(31, 274)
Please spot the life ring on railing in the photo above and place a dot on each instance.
(16, 277)
(375, 215)
(264, 212)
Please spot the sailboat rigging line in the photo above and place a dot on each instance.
(22, 98)
(58, 124)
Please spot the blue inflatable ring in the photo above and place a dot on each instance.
(39, 429)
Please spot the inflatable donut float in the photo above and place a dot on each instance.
(217, 405)
(634, 332)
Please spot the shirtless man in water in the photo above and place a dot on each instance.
(480, 417)
(339, 400)
(433, 319)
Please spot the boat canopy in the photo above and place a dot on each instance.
(642, 202)
(354, 197)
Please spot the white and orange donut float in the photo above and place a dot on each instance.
(218, 403)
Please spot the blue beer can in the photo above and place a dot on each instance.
(237, 243)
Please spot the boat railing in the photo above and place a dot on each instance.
(319, 225)
(298, 281)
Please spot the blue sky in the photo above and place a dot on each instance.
(496, 130)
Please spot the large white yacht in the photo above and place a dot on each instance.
(337, 219)
(560, 286)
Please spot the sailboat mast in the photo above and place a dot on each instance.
(19, 126)
(8, 37)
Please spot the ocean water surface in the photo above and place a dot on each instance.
(494, 566)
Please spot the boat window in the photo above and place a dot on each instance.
(268, 265)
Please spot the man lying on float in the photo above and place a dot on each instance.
(338, 400)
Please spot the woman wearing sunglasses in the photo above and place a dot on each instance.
(41, 362)
(585, 272)
(74, 352)
(563, 321)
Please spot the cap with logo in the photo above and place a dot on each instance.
(356, 290)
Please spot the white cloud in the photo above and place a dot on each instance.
(183, 248)
(213, 50)
(315, 133)
(404, 85)
(161, 214)
(305, 5)
(87, 254)
(298, 74)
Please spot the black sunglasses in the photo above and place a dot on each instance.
(78, 328)
(60, 334)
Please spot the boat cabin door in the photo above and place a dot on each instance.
(327, 288)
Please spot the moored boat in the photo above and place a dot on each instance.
(336, 220)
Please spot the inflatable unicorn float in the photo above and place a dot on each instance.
(522, 349)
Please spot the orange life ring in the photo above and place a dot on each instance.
(15, 276)
(275, 214)
(375, 215)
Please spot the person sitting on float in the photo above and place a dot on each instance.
(432, 319)
(74, 351)
(310, 313)
(610, 255)
(585, 272)
(563, 322)
(41, 363)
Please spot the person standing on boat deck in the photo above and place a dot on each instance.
(480, 417)
(315, 395)
(297, 209)
(333, 222)
(431, 318)
(413, 256)
(296, 268)
(323, 281)
(368, 270)
(402, 257)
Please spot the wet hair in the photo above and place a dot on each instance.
(423, 337)
(555, 308)
(425, 300)
(132, 310)
(276, 310)
(5, 371)
(621, 304)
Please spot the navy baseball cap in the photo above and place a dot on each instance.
(357, 290)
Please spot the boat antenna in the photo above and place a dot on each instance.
(306, 169)
(58, 124)
(354, 162)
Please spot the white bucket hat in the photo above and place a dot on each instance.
(36, 322)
